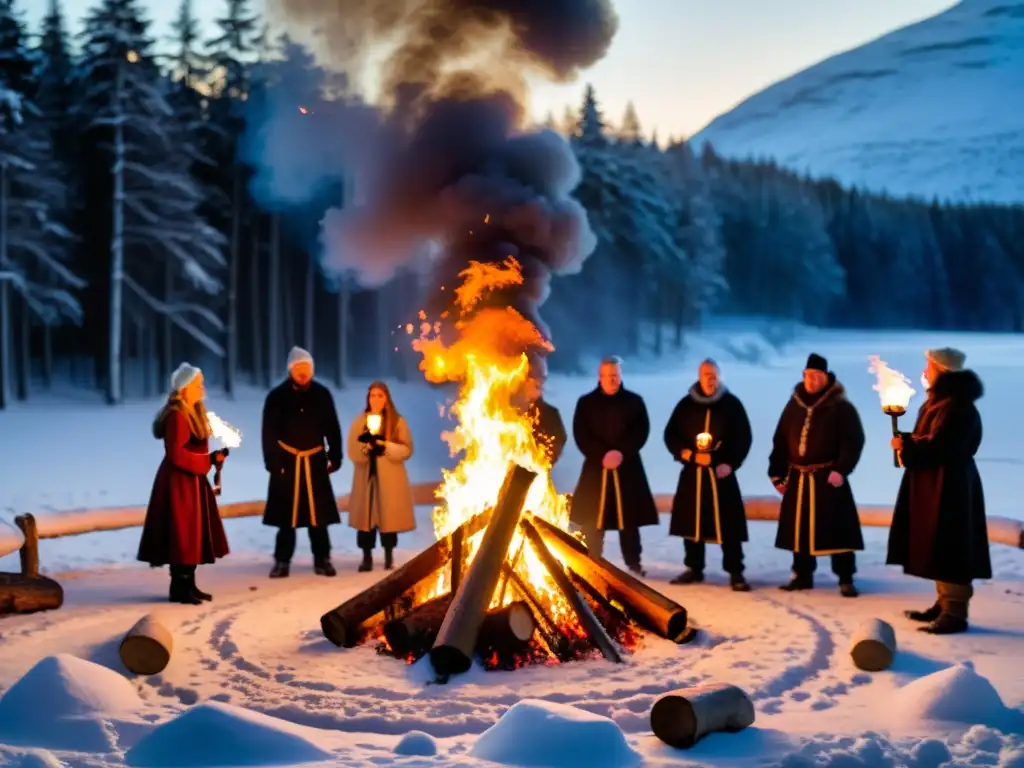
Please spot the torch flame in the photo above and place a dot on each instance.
(373, 422)
(303, 110)
(229, 436)
(488, 360)
(893, 387)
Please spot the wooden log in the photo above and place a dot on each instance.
(550, 632)
(29, 552)
(19, 594)
(453, 650)
(147, 648)
(414, 633)
(684, 717)
(651, 608)
(341, 625)
(506, 629)
(595, 632)
(873, 646)
(458, 558)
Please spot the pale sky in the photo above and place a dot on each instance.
(682, 62)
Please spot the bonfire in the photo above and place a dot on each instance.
(505, 582)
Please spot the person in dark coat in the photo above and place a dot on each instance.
(610, 427)
(183, 528)
(817, 445)
(709, 433)
(938, 529)
(299, 418)
(548, 428)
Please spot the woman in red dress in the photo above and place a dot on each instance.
(183, 528)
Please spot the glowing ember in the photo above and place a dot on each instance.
(489, 361)
(229, 436)
(893, 387)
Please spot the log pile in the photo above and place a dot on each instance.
(492, 612)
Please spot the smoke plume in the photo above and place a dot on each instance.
(446, 162)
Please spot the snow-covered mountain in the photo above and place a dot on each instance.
(933, 109)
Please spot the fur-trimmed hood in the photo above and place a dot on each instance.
(697, 393)
(958, 385)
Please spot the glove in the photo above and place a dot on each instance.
(722, 471)
(367, 437)
(835, 479)
(378, 449)
(217, 457)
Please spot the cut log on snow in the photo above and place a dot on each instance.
(147, 648)
(453, 650)
(341, 625)
(684, 717)
(414, 633)
(652, 609)
(19, 594)
(873, 646)
(595, 632)
(506, 629)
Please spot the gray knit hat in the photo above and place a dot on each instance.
(947, 358)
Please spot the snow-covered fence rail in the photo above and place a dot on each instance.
(75, 522)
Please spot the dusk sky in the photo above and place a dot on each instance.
(682, 62)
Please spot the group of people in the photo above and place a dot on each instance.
(938, 530)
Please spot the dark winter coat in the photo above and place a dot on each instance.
(297, 421)
(816, 435)
(938, 527)
(706, 508)
(620, 498)
(183, 525)
(548, 428)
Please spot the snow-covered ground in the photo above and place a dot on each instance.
(252, 681)
(880, 117)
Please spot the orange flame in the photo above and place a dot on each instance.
(489, 362)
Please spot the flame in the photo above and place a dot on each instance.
(305, 111)
(703, 441)
(229, 436)
(893, 387)
(489, 362)
(373, 422)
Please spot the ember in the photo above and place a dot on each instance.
(505, 582)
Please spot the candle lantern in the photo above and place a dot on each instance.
(895, 392)
(704, 441)
(373, 422)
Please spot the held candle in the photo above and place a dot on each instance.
(703, 441)
(373, 423)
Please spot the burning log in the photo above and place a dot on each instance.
(341, 625)
(414, 633)
(873, 646)
(655, 611)
(146, 649)
(684, 717)
(453, 650)
(506, 629)
(588, 620)
(553, 638)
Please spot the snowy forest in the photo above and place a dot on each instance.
(136, 229)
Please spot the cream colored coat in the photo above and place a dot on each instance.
(395, 506)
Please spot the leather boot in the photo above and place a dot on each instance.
(367, 564)
(798, 583)
(926, 616)
(181, 588)
(280, 570)
(689, 576)
(204, 596)
(389, 559)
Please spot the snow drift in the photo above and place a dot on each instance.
(215, 734)
(921, 111)
(542, 734)
(64, 702)
(958, 695)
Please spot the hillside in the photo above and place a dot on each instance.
(925, 110)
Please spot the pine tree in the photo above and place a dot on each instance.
(32, 193)
(630, 131)
(142, 158)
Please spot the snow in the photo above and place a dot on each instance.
(215, 734)
(254, 666)
(545, 734)
(882, 115)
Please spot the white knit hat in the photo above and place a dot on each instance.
(947, 358)
(299, 355)
(184, 375)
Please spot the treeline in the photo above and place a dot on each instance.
(137, 227)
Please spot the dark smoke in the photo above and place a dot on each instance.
(446, 163)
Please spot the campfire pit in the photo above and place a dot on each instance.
(495, 612)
